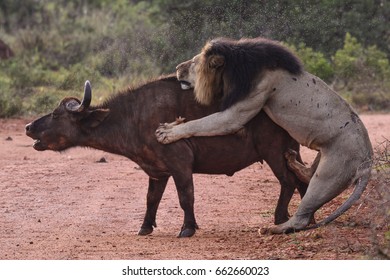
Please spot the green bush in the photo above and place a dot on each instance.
(363, 74)
(75, 77)
(348, 60)
(10, 105)
(43, 102)
(375, 101)
(115, 43)
(25, 73)
(356, 64)
(378, 63)
(315, 62)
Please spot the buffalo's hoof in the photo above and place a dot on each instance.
(145, 231)
(187, 232)
(280, 220)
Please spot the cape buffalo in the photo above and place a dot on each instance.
(125, 124)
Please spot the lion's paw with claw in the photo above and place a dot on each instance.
(165, 133)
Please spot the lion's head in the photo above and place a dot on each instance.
(185, 73)
(230, 69)
(204, 74)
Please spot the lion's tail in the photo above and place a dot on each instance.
(360, 186)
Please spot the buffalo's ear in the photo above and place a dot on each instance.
(216, 61)
(95, 117)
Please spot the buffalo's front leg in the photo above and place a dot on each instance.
(155, 192)
(185, 191)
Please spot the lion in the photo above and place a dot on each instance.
(249, 75)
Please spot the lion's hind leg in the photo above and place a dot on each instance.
(328, 182)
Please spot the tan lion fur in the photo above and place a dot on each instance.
(261, 75)
(208, 79)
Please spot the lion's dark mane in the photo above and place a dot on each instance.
(245, 60)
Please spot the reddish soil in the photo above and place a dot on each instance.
(70, 206)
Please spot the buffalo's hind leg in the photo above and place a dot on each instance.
(286, 192)
(288, 182)
(185, 190)
(155, 192)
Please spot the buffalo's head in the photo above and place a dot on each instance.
(68, 125)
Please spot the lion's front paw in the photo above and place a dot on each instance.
(275, 230)
(165, 132)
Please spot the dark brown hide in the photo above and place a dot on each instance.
(5, 51)
(126, 125)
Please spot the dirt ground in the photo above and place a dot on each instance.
(70, 206)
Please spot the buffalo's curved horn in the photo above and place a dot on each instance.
(72, 106)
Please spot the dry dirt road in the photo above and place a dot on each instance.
(70, 206)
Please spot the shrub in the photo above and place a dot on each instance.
(348, 60)
(75, 77)
(381, 202)
(10, 105)
(363, 74)
(25, 73)
(374, 101)
(315, 62)
(354, 63)
(42, 102)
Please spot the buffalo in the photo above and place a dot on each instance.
(125, 124)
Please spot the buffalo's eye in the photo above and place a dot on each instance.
(54, 115)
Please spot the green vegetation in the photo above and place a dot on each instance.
(381, 202)
(364, 74)
(58, 44)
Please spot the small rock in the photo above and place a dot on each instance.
(352, 224)
(9, 138)
(102, 160)
(317, 236)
